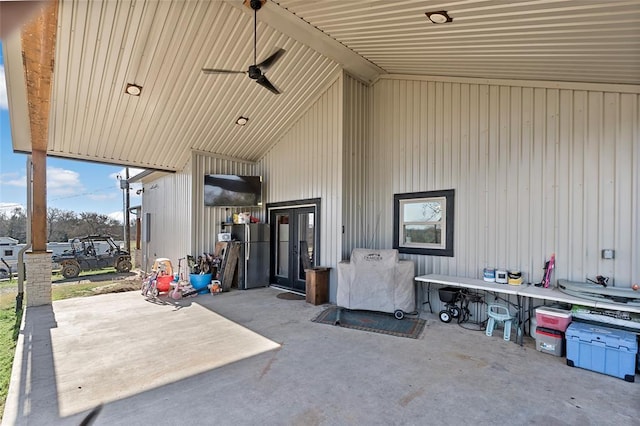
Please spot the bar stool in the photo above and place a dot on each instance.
(499, 313)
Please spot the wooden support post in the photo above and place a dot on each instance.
(39, 191)
(38, 53)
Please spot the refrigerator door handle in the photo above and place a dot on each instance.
(247, 249)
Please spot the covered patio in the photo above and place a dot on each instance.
(528, 110)
(248, 357)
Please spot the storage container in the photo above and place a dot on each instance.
(553, 318)
(604, 350)
(200, 282)
(550, 341)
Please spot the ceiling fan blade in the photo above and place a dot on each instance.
(264, 82)
(271, 59)
(219, 71)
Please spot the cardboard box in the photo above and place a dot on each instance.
(603, 350)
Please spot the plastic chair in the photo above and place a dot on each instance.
(499, 313)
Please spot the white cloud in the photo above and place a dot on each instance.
(63, 182)
(122, 173)
(13, 179)
(119, 216)
(103, 197)
(59, 181)
(7, 208)
(132, 172)
(4, 100)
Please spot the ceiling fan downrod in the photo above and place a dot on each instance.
(254, 71)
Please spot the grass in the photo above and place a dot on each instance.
(74, 290)
(89, 283)
(57, 276)
(9, 329)
(9, 283)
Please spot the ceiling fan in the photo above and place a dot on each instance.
(255, 71)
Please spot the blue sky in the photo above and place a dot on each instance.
(71, 185)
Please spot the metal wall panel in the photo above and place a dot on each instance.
(355, 137)
(207, 220)
(168, 201)
(536, 171)
(307, 163)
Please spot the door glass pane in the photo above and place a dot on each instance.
(282, 241)
(306, 234)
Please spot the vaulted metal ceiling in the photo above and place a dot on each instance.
(587, 41)
(162, 46)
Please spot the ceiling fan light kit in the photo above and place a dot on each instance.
(133, 89)
(439, 17)
(255, 71)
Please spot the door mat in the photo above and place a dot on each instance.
(377, 322)
(289, 296)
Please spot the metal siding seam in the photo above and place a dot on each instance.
(609, 219)
(624, 194)
(563, 182)
(635, 188)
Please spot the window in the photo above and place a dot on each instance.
(423, 222)
(8, 252)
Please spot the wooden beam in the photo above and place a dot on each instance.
(39, 201)
(38, 53)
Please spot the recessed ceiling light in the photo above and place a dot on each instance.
(241, 121)
(133, 90)
(439, 17)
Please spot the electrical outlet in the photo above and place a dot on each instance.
(608, 254)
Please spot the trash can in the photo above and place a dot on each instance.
(317, 285)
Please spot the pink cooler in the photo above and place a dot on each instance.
(553, 318)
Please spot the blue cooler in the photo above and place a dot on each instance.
(603, 350)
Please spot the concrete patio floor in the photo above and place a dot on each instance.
(248, 357)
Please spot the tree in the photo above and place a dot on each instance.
(14, 225)
(94, 223)
(62, 225)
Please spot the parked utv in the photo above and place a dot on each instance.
(92, 252)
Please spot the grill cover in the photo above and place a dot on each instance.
(376, 280)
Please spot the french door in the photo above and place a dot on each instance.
(294, 245)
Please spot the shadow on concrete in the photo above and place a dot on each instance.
(34, 367)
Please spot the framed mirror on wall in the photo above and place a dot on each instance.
(423, 222)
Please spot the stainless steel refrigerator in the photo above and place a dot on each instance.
(253, 262)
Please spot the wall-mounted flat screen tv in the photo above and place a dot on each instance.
(232, 191)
